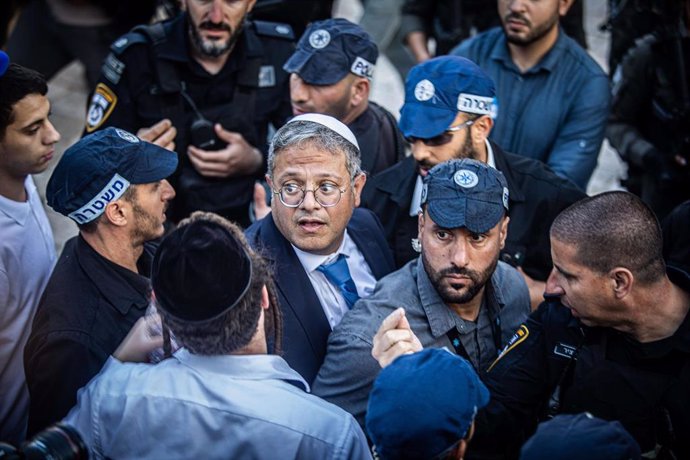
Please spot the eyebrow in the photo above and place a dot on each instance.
(563, 272)
(296, 174)
(39, 120)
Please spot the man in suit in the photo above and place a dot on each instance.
(326, 254)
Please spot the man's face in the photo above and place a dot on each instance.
(215, 25)
(459, 146)
(148, 210)
(333, 100)
(585, 292)
(29, 141)
(459, 262)
(311, 227)
(527, 21)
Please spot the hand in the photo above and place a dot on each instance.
(135, 348)
(162, 134)
(261, 209)
(238, 158)
(394, 338)
(536, 289)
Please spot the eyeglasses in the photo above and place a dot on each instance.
(326, 194)
(442, 138)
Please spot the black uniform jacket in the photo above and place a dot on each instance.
(555, 365)
(537, 195)
(87, 308)
(305, 326)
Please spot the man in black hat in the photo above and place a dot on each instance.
(114, 187)
(457, 294)
(222, 395)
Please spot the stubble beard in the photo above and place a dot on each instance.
(211, 48)
(534, 35)
(448, 293)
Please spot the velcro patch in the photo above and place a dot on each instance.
(94, 208)
(362, 67)
(471, 103)
(102, 104)
(267, 76)
(113, 68)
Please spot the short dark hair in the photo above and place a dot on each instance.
(613, 229)
(17, 83)
(234, 329)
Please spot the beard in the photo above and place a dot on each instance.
(453, 292)
(147, 227)
(534, 34)
(214, 48)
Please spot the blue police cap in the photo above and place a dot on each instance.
(100, 167)
(437, 89)
(465, 193)
(581, 436)
(330, 49)
(422, 404)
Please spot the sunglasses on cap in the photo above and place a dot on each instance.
(443, 138)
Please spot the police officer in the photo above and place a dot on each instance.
(649, 123)
(211, 81)
(613, 340)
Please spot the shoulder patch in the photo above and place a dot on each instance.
(102, 104)
(127, 40)
(112, 68)
(520, 336)
(274, 29)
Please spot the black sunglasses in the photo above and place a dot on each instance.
(443, 138)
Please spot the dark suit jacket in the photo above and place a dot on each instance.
(537, 195)
(305, 326)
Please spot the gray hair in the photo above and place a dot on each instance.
(303, 133)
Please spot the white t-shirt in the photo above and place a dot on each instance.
(27, 257)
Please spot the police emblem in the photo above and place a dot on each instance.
(102, 104)
(466, 178)
(424, 90)
(129, 137)
(319, 39)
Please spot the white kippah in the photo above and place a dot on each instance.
(329, 122)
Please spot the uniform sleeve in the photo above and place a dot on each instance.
(55, 371)
(348, 372)
(113, 102)
(576, 149)
(518, 381)
(631, 98)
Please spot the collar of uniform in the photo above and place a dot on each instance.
(439, 316)
(501, 52)
(681, 279)
(245, 367)
(128, 290)
(398, 181)
(502, 165)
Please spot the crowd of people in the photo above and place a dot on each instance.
(270, 264)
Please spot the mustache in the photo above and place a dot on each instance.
(517, 17)
(208, 25)
(424, 165)
(473, 275)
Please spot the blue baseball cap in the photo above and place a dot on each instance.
(330, 49)
(100, 167)
(422, 404)
(465, 193)
(437, 89)
(581, 436)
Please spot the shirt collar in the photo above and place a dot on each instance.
(490, 160)
(19, 211)
(501, 52)
(311, 261)
(246, 367)
(439, 315)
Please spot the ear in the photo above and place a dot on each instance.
(481, 128)
(358, 186)
(564, 6)
(622, 281)
(359, 93)
(503, 231)
(269, 181)
(264, 298)
(420, 224)
(118, 212)
(250, 6)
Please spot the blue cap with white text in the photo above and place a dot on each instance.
(330, 49)
(437, 89)
(465, 193)
(100, 167)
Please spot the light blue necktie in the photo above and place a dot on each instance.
(339, 275)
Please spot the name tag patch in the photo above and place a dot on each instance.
(565, 350)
